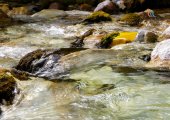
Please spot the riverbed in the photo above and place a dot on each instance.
(112, 85)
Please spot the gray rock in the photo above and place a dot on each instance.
(49, 13)
(162, 50)
(140, 36)
(160, 56)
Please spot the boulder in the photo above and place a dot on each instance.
(160, 56)
(49, 13)
(38, 62)
(56, 64)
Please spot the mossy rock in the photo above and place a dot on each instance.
(7, 88)
(98, 17)
(131, 19)
(26, 62)
(107, 40)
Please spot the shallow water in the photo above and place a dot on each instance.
(105, 89)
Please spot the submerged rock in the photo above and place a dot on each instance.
(160, 56)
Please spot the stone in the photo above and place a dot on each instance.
(151, 37)
(49, 13)
(160, 56)
(131, 19)
(98, 16)
(140, 36)
(8, 87)
(25, 64)
(38, 61)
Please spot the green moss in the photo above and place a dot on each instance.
(107, 40)
(98, 17)
(7, 87)
(131, 19)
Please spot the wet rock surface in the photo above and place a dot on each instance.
(160, 57)
(41, 62)
(8, 88)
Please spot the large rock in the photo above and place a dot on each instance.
(49, 13)
(56, 64)
(40, 62)
(160, 57)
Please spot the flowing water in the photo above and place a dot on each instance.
(113, 88)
